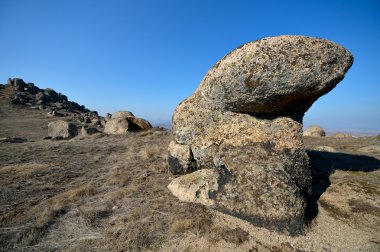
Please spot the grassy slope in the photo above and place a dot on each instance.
(108, 193)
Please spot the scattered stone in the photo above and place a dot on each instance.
(123, 121)
(341, 135)
(199, 187)
(180, 158)
(137, 124)
(29, 94)
(58, 105)
(314, 131)
(53, 113)
(116, 126)
(96, 121)
(41, 107)
(13, 140)
(40, 102)
(325, 148)
(62, 129)
(245, 122)
(86, 131)
(122, 114)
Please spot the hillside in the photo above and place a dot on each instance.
(108, 193)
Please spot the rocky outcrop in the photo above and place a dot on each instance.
(314, 131)
(62, 130)
(124, 121)
(30, 95)
(245, 122)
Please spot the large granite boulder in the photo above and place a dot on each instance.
(314, 131)
(62, 130)
(124, 121)
(245, 121)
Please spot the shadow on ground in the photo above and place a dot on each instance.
(323, 164)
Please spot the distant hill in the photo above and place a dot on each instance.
(26, 110)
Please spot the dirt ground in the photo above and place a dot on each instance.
(108, 193)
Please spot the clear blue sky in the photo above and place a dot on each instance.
(147, 56)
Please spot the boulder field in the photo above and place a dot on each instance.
(238, 138)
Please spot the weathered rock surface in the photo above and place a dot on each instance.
(245, 121)
(199, 187)
(86, 131)
(123, 122)
(122, 114)
(116, 126)
(28, 94)
(180, 158)
(62, 129)
(314, 131)
(325, 148)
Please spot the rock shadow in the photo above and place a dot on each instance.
(323, 164)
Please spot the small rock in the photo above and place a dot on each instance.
(123, 121)
(314, 131)
(180, 158)
(325, 148)
(95, 121)
(199, 186)
(85, 131)
(62, 129)
(13, 140)
(137, 124)
(122, 114)
(116, 126)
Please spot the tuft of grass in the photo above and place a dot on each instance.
(360, 206)
(236, 235)
(34, 232)
(117, 176)
(333, 210)
(199, 221)
(93, 216)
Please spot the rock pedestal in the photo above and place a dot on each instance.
(245, 122)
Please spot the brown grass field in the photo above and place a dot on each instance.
(108, 193)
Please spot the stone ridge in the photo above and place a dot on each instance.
(30, 95)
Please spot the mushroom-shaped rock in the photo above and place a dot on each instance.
(245, 121)
(62, 129)
(314, 131)
(275, 75)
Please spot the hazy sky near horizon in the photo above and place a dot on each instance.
(147, 56)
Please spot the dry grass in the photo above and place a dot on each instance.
(111, 187)
(109, 194)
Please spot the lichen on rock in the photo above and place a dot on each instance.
(245, 122)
